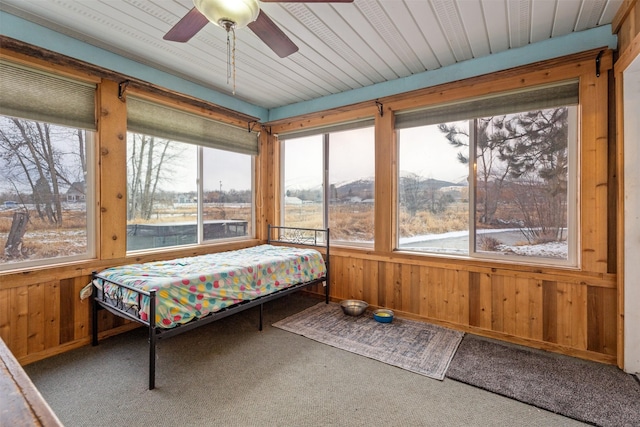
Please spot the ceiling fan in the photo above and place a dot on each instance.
(235, 14)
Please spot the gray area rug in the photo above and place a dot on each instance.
(415, 346)
(587, 391)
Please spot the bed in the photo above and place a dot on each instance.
(174, 296)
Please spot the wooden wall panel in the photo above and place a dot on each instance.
(51, 315)
(571, 315)
(370, 283)
(5, 315)
(19, 322)
(356, 278)
(568, 316)
(602, 326)
(423, 284)
(67, 311)
(35, 324)
(338, 283)
(529, 308)
(434, 292)
(385, 170)
(457, 287)
(112, 171)
(594, 163)
(480, 307)
(626, 23)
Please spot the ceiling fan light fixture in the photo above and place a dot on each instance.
(239, 12)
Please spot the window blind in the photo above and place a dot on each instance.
(158, 120)
(340, 127)
(540, 97)
(32, 94)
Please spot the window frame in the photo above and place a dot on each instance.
(573, 217)
(91, 212)
(573, 260)
(199, 187)
(325, 134)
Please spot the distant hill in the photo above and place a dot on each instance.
(364, 188)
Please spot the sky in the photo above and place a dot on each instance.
(221, 169)
(426, 152)
(422, 150)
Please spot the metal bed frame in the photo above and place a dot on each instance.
(276, 234)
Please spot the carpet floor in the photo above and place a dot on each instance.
(591, 392)
(415, 346)
(229, 374)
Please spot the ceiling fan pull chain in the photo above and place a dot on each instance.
(228, 57)
(233, 59)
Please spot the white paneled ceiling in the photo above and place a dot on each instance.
(341, 46)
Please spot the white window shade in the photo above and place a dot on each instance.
(339, 127)
(28, 93)
(537, 98)
(157, 120)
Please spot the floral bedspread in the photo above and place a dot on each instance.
(196, 286)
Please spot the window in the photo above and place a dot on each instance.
(346, 207)
(188, 180)
(501, 185)
(433, 192)
(303, 182)
(46, 167)
(227, 194)
(162, 192)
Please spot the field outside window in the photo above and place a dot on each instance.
(45, 206)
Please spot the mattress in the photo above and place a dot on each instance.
(193, 287)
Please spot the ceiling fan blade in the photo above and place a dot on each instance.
(272, 35)
(187, 27)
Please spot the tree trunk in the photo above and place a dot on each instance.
(13, 247)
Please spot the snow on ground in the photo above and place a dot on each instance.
(457, 242)
(544, 250)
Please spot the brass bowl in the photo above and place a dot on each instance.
(353, 307)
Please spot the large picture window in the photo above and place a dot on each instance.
(343, 197)
(164, 202)
(47, 129)
(189, 179)
(500, 185)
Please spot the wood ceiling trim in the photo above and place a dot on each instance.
(527, 75)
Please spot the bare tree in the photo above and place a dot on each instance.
(148, 157)
(32, 155)
(412, 195)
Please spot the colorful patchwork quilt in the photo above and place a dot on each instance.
(193, 287)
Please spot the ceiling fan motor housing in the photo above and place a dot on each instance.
(240, 12)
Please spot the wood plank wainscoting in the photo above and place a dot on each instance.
(558, 312)
(568, 310)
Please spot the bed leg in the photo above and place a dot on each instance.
(152, 340)
(94, 315)
(260, 327)
(326, 292)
